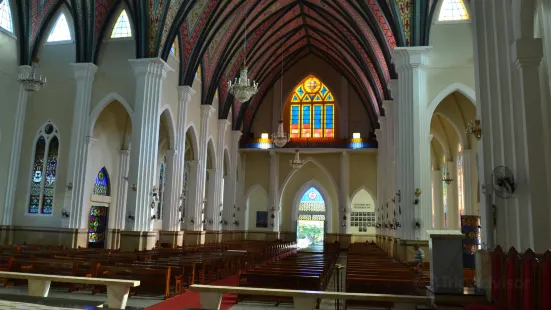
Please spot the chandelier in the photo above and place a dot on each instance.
(31, 81)
(242, 88)
(297, 163)
(280, 138)
(473, 128)
(448, 179)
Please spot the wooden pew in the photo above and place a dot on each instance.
(154, 280)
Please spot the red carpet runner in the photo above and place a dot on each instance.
(191, 299)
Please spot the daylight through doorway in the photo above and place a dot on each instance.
(310, 233)
(311, 219)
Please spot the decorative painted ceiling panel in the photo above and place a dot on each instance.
(103, 7)
(40, 10)
(404, 8)
(173, 8)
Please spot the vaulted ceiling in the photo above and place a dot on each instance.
(355, 37)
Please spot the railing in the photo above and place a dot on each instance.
(211, 297)
(337, 143)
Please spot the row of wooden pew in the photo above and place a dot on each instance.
(293, 269)
(518, 281)
(164, 272)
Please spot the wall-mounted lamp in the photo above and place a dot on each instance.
(65, 214)
(131, 216)
(154, 217)
(398, 196)
(474, 128)
(417, 192)
(134, 187)
(182, 219)
(70, 186)
(192, 221)
(448, 179)
(236, 223)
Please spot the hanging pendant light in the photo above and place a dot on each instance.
(242, 88)
(280, 138)
(30, 80)
(297, 163)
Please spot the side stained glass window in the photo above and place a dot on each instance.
(122, 27)
(44, 171)
(174, 49)
(312, 110)
(311, 201)
(101, 185)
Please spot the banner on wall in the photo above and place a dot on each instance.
(362, 206)
(471, 242)
(262, 219)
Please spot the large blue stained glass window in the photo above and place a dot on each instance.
(311, 201)
(49, 182)
(101, 185)
(36, 177)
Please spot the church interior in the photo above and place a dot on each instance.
(266, 154)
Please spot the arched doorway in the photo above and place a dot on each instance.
(99, 211)
(311, 218)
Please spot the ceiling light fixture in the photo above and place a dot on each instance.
(280, 138)
(30, 80)
(242, 88)
(297, 163)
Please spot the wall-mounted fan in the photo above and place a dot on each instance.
(503, 182)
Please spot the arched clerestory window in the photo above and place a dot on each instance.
(102, 184)
(453, 11)
(60, 32)
(44, 170)
(122, 28)
(6, 21)
(311, 110)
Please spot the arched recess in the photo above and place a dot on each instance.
(108, 99)
(362, 212)
(227, 166)
(450, 89)
(256, 200)
(211, 155)
(364, 188)
(312, 170)
(167, 117)
(326, 198)
(191, 143)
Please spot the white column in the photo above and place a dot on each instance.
(219, 176)
(390, 169)
(381, 161)
(190, 212)
(198, 205)
(534, 223)
(451, 196)
(171, 213)
(232, 200)
(413, 143)
(273, 203)
(150, 74)
(13, 168)
(438, 199)
(78, 153)
(210, 208)
(468, 167)
(345, 193)
(122, 190)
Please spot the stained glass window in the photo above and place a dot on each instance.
(122, 27)
(311, 201)
(5, 16)
(312, 111)
(101, 185)
(174, 49)
(453, 10)
(60, 32)
(460, 200)
(96, 224)
(44, 171)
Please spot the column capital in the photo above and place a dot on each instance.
(387, 105)
(273, 154)
(527, 52)
(150, 66)
(84, 70)
(192, 163)
(236, 134)
(124, 152)
(91, 140)
(382, 122)
(171, 153)
(379, 133)
(185, 93)
(206, 111)
(393, 87)
(411, 57)
(223, 125)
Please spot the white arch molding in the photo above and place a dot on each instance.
(450, 89)
(194, 144)
(324, 194)
(170, 123)
(103, 103)
(363, 187)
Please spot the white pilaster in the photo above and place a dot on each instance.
(198, 205)
(451, 197)
(438, 199)
(190, 212)
(232, 200)
(170, 211)
(210, 208)
(468, 167)
(219, 176)
(273, 203)
(413, 143)
(150, 74)
(170, 221)
(380, 134)
(390, 169)
(344, 193)
(13, 168)
(78, 153)
(122, 189)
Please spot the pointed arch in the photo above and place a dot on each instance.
(43, 170)
(227, 164)
(450, 89)
(191, 136)
(60, 32)
(310, 110)
(363, 187)
(165, 113)
(102, 184)
(6, 20)
(103, 103)
(122, 27)
(211, 154)
(325, 197)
